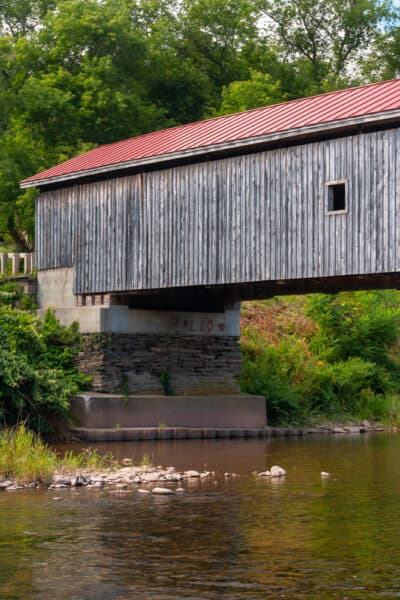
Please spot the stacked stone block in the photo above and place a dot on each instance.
(154, 364)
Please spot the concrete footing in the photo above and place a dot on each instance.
(129, 434)
(116, 417)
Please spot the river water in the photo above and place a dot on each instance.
(297, 538)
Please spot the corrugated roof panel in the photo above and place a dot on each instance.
(284, 117)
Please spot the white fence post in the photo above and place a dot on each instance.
(27, 257)
(3, 263)
(14, 263)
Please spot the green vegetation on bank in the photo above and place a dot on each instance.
(314, 358)
(25, 458)
(37, 368)
(324, 357)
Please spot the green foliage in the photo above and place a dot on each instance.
(327, 36)
(124, 388)
(89, 458)
(166, 383)
(37, 371)
(78, 73)
(12, 294)
(347, 367)
(269, 370)
(146, 461)
(24, 457)
(259, 90)
(363, 324)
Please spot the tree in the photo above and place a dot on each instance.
(328, 35)
(78, 73)
(21, 17)
(76, 81)
(259, 90)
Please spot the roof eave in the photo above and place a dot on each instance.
(246, 143)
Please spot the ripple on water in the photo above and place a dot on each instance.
(299, 538)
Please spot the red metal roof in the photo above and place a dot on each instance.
(287, 116)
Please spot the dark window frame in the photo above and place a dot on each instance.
(341, 187)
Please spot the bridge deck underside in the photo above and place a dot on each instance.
(217, 298)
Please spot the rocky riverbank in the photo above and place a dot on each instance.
(154, 479)
(27, 463)
(331, 428)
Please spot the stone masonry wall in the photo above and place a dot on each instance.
(153, 364)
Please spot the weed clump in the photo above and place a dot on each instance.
(25, 458)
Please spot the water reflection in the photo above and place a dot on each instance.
(243, 538)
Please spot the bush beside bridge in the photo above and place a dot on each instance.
(37, 370)
(324, 357)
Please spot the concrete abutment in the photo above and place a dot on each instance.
(176, 367)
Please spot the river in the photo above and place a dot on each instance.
(236, 538)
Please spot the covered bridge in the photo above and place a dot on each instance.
(154, 240)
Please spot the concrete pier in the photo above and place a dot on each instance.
(153, 368)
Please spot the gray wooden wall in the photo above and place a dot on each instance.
(249, 218)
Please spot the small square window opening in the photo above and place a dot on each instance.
(336, 197)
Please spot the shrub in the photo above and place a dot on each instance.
(343, 364)
(363, 324)
(272, 372)
(12, 294)
(37, 371)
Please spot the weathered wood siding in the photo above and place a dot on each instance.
(56, 229)
(249, 218)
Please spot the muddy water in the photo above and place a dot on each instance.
(242, 538)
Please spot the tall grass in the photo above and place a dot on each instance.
(25, 458)
(89, 459)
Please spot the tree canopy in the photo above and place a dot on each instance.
(77, 73)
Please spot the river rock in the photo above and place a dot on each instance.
(5, 484)
(366, 424)
(162, 490)
(277, 471)
(61, 480)
(179, 490)
(140, 491)
(126, 461)
(338, 430)
(150, 477)
(325, 475)
(192, 474)
(264, 474)
(125, 471)
(79, 480)
(172, 477)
